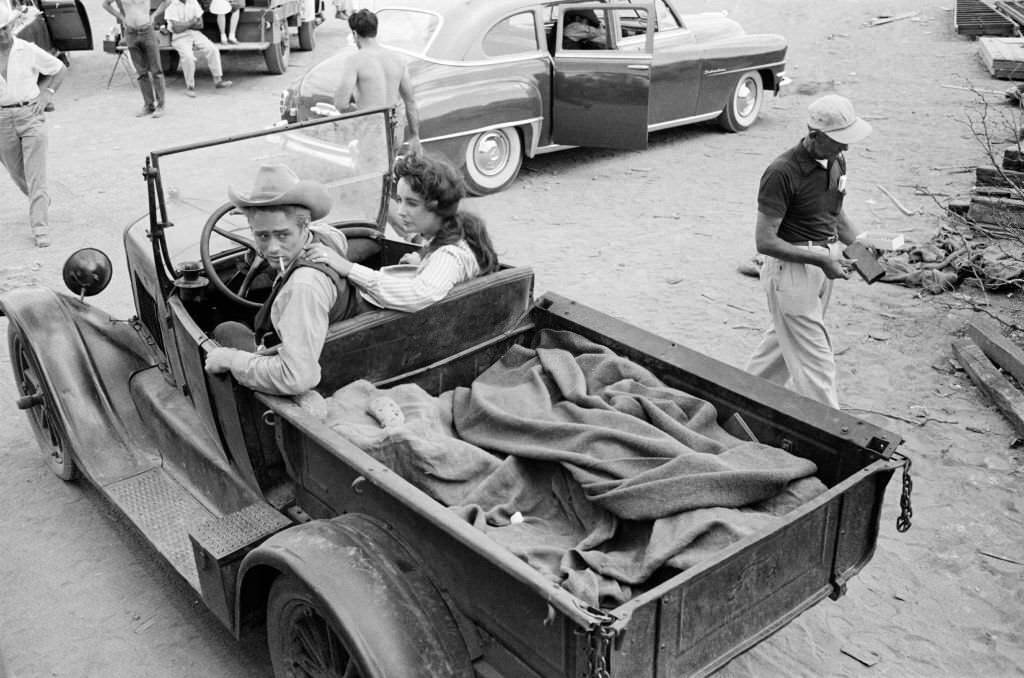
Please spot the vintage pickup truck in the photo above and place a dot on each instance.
(282, 523)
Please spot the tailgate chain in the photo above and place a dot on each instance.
(599, 642)
(906, 512)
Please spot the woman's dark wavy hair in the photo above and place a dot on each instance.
(441, 188)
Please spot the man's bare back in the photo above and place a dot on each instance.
(378, 74)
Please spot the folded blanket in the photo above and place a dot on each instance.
(616, 474)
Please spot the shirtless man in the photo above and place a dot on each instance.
(376, 76)
(142, 46)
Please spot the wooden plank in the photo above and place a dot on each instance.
(1003, 57)
(1008, 399)
(990, 176)
(998, 348)
(998, 211)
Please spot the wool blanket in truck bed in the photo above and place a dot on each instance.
(581, 462)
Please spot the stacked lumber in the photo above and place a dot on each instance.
(998, 196)
(975, 18)
(982, 354)
(1003, 57)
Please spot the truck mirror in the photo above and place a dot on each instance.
(87, 272)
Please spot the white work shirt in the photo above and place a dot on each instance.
(183, 12)
(26, 63)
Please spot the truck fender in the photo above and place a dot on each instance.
(375, 593)
(70, 339)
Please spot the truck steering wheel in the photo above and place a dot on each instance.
(258, 262)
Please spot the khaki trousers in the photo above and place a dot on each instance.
(23, 141)
(795, 351)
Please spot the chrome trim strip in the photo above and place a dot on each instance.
(539, 55)
(515, 123)
(683, 121)
(744, 69)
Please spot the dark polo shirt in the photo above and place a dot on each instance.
(806, 195)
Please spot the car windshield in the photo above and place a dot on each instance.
(350, 156)
(407, 29)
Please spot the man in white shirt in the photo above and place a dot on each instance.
(185, 21)
(29, 77)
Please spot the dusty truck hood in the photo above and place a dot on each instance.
(711, 26)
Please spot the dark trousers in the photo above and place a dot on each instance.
(145, 54)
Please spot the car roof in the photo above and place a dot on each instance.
(465, 21)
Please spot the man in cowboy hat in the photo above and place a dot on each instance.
(306, 296)
(800, 218)
(29, 77)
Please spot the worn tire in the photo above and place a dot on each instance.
(372, 611)
(47, 422)
(277, 54)
(744, 104)
(492, 160)
(307, 36)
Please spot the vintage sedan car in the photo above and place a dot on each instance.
(353, 559)
(496, 80)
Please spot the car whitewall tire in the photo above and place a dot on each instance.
(492, 160)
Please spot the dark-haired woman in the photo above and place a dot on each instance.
(457, 247)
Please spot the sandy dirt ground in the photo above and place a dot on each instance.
(652, 237)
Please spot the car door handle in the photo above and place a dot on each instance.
(638, 67)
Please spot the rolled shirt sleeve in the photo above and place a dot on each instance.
(300, 316)
(432, 281)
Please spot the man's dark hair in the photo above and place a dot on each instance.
(364, 23)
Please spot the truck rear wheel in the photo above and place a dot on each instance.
(365, 607)
(276, 55)
(307, 35)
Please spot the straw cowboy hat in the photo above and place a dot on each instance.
(277, 184)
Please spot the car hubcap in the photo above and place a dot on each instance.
(746, 98)
(491, 153)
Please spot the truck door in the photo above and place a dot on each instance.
(601, 88)
(68, 24)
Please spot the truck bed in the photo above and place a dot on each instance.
(689, 623)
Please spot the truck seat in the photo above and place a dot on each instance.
(384, 343)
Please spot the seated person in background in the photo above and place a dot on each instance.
(583, 30)
(458, 247)
(306, 297)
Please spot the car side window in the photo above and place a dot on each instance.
(666, 19)
(514, 35)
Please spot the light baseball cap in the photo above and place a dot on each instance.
(834, 115)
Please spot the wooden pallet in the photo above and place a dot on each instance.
(1003, 57)
(975, 18)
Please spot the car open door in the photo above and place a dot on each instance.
(68, 23)
(601, 88)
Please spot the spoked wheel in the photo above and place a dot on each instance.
(492, 160)
(303, 643)
(37, 399)
(744, 103)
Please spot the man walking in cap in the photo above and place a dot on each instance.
(29, 77)
(800, 218)
(140, 37)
